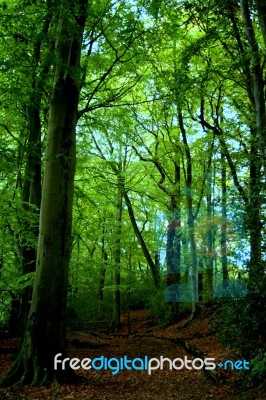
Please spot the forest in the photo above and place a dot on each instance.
(132, 207)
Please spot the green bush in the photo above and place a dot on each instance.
(159, 309)
(258, 368)
(241, 322)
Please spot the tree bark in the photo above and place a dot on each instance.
(224, 223)
(173, 254)
(190, 220)
(210, 239)
(151, 263)
(261, 9)
(254, 223)
(256, 76)
(194, 259)
(252, 200)
(31, 196)
(252, 64)
(31, 189)
(117, 256)
(102, 271)
(45, 332)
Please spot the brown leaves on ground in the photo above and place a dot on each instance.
(181, 384)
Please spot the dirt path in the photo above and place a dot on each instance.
(167, 384)
(100, 385)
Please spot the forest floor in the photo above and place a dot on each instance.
(144, 339)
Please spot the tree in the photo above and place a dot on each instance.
(31, 187)
(45, 332)
(33, 59)
(256, 73)
(224, 222)
(117, 250)
(111, 146)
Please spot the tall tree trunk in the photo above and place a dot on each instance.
(224, 223)
(190, 220)
(128, 295)
(31, 196)
(194, 261)
(117, 257)
(256, 74)
(252, 203)
(258, 142)
(254, 223)
(153, 267)
(102, 271)
(45, 332)
(210, 239)
(31, 190)
(173, 254)
(252, 64)
(261, 8)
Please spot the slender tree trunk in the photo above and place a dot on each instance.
(153, 267)
(102, 272)
(194, 261)
(13, 323)
(261, 8)
(31, 201)
(128, 296)
(31, 190)
(256, 267)
(117, 256)
(45, 333)
(256, 74)
(102, 277)
(200, 284)
(173, 255)
(31, 196)
(252, 64)
(258, 141)
(224, 224)
(210, 239)
(190, 221)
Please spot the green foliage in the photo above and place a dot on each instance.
(138, 295)
(258, 368)
(242, 322)
(159, 309)
(138, 69)
(84, 306)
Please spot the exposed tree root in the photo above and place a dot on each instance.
(30, 373)
(211, 373)
(193, 314)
